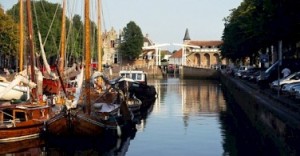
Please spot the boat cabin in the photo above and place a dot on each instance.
(16, 114)
(136, 75)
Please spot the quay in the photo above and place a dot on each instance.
(275, 117)
(197, 72)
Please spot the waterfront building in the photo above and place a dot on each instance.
(206, 54)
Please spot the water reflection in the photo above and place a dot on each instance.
(25, 147)
(189, 117)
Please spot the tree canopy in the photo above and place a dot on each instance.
(131, 46)
(9, 35)
(47, 19)
(257, 24)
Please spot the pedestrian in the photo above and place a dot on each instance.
(286, 72)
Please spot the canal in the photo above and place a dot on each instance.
(189, 117)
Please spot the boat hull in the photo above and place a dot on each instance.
(22, 122)
(51, 86)
(22, 131)
(58, 125)
(21, 147)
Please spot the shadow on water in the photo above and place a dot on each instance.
(105, 145)
(240, 137)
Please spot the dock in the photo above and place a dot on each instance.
(276, 117)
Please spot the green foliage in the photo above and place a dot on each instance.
(75, 38)
(257, 24)
(47, 19)
(9, 35)
(131, 46)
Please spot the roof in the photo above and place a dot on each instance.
(206, 43)
(177, 54)
(186, 35)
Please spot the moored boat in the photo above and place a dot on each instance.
(24, 120)
(93, 112)
(135, 84)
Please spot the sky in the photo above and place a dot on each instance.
(165, 21)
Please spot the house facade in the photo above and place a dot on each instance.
(205, 54)
(111, 41)
(111, 54)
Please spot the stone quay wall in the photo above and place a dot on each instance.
(197, 72)
(271, 117)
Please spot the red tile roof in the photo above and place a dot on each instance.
(205, 43)
(177, 54)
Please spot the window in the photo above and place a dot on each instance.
(133, 76)
(139, 77)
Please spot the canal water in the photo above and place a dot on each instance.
(189, 117)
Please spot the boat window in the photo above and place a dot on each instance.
(20, 116)
(127, 75)
(122, 74)
(139, 77)
(133, 76)
(8, 115)
(5, 115)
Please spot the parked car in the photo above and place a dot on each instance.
(246, 75)
(253, 76)
(294, 90)
(274, 71)
(286, 88)
(241, 70)
(297, 93)
(277, 84)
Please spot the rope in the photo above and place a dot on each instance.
(51, 24)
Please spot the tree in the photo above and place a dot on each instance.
(258, 24)
(75, 38)
(9, 35)
(47, 19)
(131, 46)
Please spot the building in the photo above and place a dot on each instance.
(110, 43)
(111, 55)
(205, 54)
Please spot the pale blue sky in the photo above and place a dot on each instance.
(164, 20)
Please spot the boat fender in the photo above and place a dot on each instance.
(119, 141)
(119, 130)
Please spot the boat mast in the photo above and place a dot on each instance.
(63, 40)
(21, 48)
(31, 45)
(87, 54)
(99, 38)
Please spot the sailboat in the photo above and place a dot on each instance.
(24, 120)
(92, 112)
(55, 78)
(107, 110)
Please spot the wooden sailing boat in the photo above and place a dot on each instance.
(62, 101)
(55, 78)
(93, 113)
(24, 120)
(107, 110)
